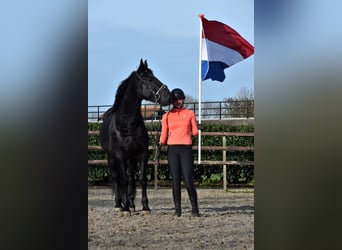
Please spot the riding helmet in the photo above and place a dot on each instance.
(177, 94)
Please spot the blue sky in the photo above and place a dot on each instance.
(167, 35)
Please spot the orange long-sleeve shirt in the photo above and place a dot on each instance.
(176, 127)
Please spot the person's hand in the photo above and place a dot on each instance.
(199, 126)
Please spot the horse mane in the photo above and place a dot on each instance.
(121, 91)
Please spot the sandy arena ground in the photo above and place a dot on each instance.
(226, 222)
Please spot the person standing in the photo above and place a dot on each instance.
(177, 126)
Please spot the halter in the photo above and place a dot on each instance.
(156, 94)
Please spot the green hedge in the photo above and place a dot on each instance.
(204, 175)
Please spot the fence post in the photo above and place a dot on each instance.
(224, 156)
(247, 109)
(155, 176)
(220, 117)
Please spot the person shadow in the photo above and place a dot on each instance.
(246, 209)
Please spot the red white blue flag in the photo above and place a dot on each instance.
(222, 47)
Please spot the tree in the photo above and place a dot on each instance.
(241, 106)
(245, 94)
(191, 102)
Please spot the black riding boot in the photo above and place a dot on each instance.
(178, 209)
(177, 201)
(193, 200)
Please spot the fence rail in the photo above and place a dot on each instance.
(210, 110)
(224, 148)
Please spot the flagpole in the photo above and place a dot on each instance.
(200, 92)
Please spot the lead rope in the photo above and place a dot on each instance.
(156, 150)
(156, 153)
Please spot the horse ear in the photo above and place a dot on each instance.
(140, 68)
(146, 64)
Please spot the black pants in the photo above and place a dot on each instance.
(180, 159)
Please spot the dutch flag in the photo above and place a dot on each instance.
(221, 47)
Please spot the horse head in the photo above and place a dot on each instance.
(151, 88)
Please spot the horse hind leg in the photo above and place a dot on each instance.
(116, 192)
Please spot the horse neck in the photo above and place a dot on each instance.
(128, 115)
(131, 103)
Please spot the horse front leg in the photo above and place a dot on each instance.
(143, 181)
(131, 192)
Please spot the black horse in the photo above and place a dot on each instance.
(124, 137)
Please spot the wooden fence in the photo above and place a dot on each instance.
(224, 148)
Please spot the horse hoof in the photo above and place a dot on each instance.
(132, 209)
(146, 212)
(125, 213)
